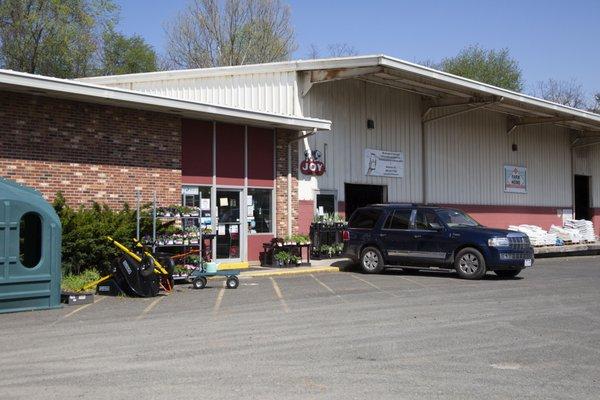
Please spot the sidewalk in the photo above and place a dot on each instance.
(317, 266)
(584, 249)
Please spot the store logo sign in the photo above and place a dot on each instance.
(311, 164)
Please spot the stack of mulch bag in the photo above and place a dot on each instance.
(584, 227)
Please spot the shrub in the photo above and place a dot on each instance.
(84, 244)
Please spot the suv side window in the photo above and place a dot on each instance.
(427, 219)
(399, 219)
(364, 219)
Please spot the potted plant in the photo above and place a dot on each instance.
(181, 270)
(294, 260)
(282, 258)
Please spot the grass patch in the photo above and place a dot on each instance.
(75, 282)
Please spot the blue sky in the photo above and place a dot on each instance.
(549, 38)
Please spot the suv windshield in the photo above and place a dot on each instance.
(456, 218)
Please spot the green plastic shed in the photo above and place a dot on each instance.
(30, 246)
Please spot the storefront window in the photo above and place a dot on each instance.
(325, 204)
(197, 196)
(260, 211)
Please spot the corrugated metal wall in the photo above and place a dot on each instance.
(466, 155)
(271, 92)
(593, 160)
(348, 104)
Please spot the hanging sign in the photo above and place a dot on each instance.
(384, 163)
(190, 190)
(311, 164)
(515, 179)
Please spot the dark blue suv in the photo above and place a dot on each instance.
(411, 235)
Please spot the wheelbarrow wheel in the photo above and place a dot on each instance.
(232, 282)
(199, 282)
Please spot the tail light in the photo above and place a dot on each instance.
(345, 236)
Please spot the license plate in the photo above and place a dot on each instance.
(528, 263)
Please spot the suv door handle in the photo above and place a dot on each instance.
(383, 234)
(418, 236)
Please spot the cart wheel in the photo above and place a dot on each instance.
(232, 282)
(199, 283)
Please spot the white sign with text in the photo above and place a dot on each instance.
(384, 163)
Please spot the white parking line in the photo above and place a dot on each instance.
(375, 286)
(327, 287)
(219, 300)
(279, 295)
(415, 282)
(81, 308)
(150, 307)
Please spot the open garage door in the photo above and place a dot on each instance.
(362, 195)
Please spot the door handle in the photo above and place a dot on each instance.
(418, 236)
(383, 234)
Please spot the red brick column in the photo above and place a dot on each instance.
(89, 152)
(281, 182)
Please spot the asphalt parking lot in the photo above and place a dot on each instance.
(331, 335)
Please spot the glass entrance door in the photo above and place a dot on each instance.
(228, 237)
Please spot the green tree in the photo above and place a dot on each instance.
(126, 55)
(52, 37)
(495, 67)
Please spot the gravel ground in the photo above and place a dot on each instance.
(336, 335)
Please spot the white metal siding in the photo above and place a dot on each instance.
(466, 155)
(348, 104)
(581, 162)
(593, 153)
(274, 92)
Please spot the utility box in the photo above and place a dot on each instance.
(30, 250)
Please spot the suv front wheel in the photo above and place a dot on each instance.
(470, 264)
(371, 260)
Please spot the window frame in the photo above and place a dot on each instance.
(380, 211)
(422, 210)
(325, 192)
(272, 209)
(411, 224)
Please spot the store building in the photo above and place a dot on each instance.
(402, 132)
(94, 143)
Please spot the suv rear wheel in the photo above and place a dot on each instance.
(470, 264)
(371, 260)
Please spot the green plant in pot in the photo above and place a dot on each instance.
(294, 260)
(282, 258)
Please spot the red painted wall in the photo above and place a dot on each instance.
(342, 209)
(306, 212)
(230, 154)
(196, 151)
(260, 157)
(255, 245)
(596, 220)
(503, 216)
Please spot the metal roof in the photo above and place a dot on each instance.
(92, 93)
(438, 87)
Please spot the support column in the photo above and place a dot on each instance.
(286, 157)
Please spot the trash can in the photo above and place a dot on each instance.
(30, 248)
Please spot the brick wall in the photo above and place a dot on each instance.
(281, 171)
(89, 152)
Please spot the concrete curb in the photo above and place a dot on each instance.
(285, 272)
